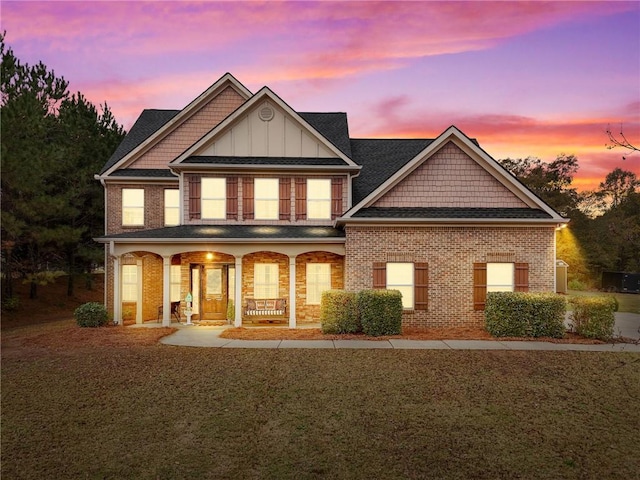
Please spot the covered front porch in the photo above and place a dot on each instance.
(236, 282)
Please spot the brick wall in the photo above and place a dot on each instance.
(450, 253)
(153, 206)
(450, 178)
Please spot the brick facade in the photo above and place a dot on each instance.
(450, 253)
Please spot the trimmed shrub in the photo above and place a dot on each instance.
(380, 312)
(521, 314)
(339, 312)
(92, 314)
(594, 317)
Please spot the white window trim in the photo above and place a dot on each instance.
(324, 201)
(175, 281)
(132, 207)
(314, 286)
(171, 209)
(500, 284)
(404, 283)
(216, 192)
(261, 288)
(129, 288)
(260, 196)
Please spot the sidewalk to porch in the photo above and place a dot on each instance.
(200, 336)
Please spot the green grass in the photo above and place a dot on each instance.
(629, 302)
(161, 412)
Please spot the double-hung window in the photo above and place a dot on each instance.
(266, 198)
(133, 207)
(214, 198)
(319, 199)
(171, 207)
(265, 280)
(175, 283)
(129, 283)
(318, 280)
(400, 276)
(500, 277)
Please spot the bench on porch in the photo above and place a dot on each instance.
(268, 307)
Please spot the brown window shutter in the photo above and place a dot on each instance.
(247, 198)
(522, 277)
(301, 198)
(336, 197)
(421, 280)
(479, 285)
(379, 275)
(285, 199)
(232, 198)
(194, 197)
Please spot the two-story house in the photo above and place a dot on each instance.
(254, 209)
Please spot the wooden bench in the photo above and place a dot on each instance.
(268, 307)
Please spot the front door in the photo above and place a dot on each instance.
(213, 302)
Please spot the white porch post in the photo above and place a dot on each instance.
(117, 288)
(292, 292)
(238, 296)
(166, 291)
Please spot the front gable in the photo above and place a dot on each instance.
(264, 127)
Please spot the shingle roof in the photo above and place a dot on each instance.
(144, 172)
(451, 212)
(211, 232)
(333, 126)
(215, 160)
(146, 125)
(380, 159)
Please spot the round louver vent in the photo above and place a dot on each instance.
(266, 113)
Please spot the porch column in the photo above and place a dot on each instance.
(292, 292)
(238, 296)
(117, 302)
(166, 291)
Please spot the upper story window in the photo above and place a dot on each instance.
(214, 198)
(133, 207)
(500, 277)
(319, 199)
(171, 207)
(266, 198)
(400, 277)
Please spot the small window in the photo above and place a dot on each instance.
(214, 198)
(318, 280)
(129, 283)
(266, 198)
(133, 207)
(400, 277)
(265, 280)
(500, 277)
(175, 283)
(319, 199)
(171, 207)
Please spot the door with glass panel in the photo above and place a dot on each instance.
(214, 292)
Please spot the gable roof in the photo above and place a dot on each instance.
(158, 125)
(330, 123)
(333, 126)
(372, 190)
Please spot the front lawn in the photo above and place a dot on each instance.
(112, 403)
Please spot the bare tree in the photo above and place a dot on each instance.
(620, 140)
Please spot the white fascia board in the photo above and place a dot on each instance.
(321, 169)
(220, 240)
(475, 152)
(226, 80)
(449, 222)
(170, 180)
(261, 95)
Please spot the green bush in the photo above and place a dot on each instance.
(10, 304)
(91, 314)
(576, 285)
(380, 312)
(520, 314)
(339, 312)
(594, 317)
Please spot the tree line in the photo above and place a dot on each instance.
(53, 142)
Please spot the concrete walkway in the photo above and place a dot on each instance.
(200, 336)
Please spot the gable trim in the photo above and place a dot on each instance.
(227, 80)
(477, 154)
(260, 96)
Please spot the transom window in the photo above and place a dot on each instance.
(318, 280)
(129, 283)
(400, 276)
(265, 280)
(500, 277)
(171, 207)
(133, 207)
(214, 198)
(266, 198)
(319, 199)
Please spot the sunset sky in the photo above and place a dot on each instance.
(525, 79)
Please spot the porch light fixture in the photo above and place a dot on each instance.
(209, 256)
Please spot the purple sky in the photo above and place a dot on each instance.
(525, 79)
